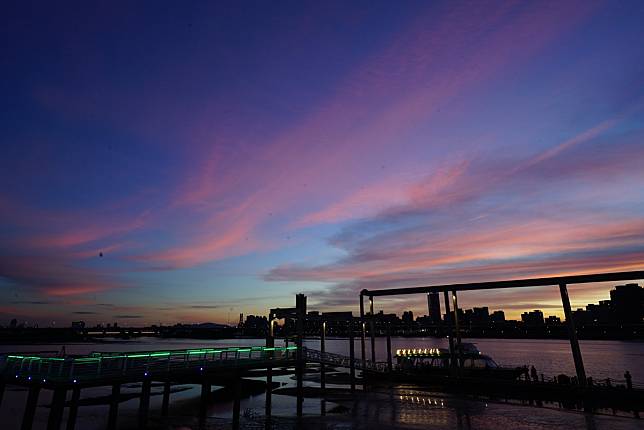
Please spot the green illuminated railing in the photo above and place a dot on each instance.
(99, 365)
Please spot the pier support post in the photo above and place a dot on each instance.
(114, 407)
(372, 329)
(236, 402)
(572, 333)
(2, 385)
(56, 409)
(73, 409)
(300, 305)
(165, 403)
(389, 358)
(270, 343)
(352, 357)
(30, 407)
(144, 403)
(322, 351)
(203, 402)
(363, 348)
(448, 326)
(458, 331)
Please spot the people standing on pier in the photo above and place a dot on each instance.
(525, 373)
(533, 374)
(629, 380)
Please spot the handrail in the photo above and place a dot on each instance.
(343, 361)
(101, 365)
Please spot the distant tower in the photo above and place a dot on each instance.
(434, 307)
(241, 320)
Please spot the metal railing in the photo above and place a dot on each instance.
(343, 361)
(105, 365)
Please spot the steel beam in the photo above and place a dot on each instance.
(572, 333)
(514, 283)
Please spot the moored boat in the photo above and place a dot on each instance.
(429, 363)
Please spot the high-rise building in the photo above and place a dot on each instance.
(534, 318)
(628, 303)
(497, 316)
(480, 315)
(434, 306)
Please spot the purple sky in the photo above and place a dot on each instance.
(223, 156)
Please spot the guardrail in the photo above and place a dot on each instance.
(105, 365)
(343, 361)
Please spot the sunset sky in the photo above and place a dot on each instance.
(223, 156)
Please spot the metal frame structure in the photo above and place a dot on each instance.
(561, 281)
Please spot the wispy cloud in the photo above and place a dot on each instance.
(463, 235)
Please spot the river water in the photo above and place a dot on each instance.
(400, 408)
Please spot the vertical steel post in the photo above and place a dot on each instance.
(270, 343)
(203, 403)
(362, 335)
(322, 369)
(389, 358)
(448, 326)
(144, 403)
(114, 407)
(73, 409)
(572, 333)
(237, 402)
(352, 356)
(458, 331)
(165, 403)
(322, 351)
(300, 306)
(2, 386)
(30, 407)
(372, 329)
(57, 409)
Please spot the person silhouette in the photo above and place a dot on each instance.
(629, 380)
(533, 374)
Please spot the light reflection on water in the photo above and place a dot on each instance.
(394, 408)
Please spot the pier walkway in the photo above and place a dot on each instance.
(204, 366)
(101, 368)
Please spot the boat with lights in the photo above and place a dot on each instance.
(429, 363)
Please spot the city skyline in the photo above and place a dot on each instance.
(208, 160)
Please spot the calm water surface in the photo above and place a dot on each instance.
(400, 408)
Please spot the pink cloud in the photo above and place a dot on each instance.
(356, 126)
